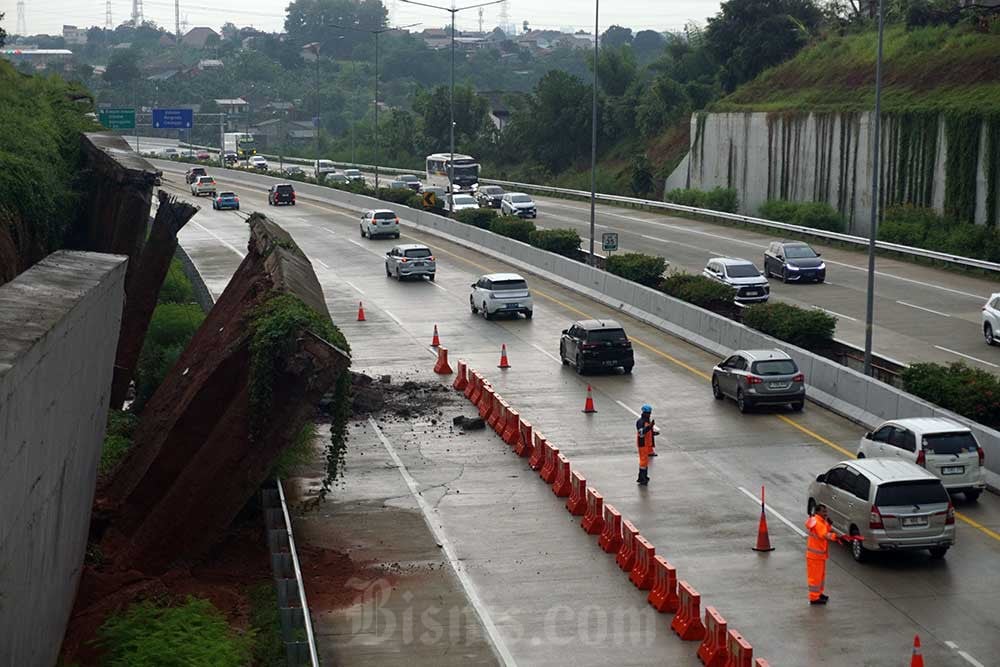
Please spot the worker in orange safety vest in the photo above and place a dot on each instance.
(821, 533)
(644, 431)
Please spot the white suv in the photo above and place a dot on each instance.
(947, 450)
(379, 222)
(203, 185)
(740, 274)
(501, 293)
(991, 320)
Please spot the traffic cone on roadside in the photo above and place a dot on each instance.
(763, 540)
(503, 357)
(588, 407)
(435, 341)
(361, 312)
(916, 659)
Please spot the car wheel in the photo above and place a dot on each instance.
(858, 551)
(861, 455)
(562, 358)
(398, 276)
(293, 203)
(579, 365)
(628, 370)
(717, 390)
(938, 552)
(810, 507)
(797, 406)
(362, 231)
(431, 277)
(472, 306)
(972, 495)
(388, 273)
(742, 403)
(784, 275)
(486, 312)
(988, 334)
(528, 314)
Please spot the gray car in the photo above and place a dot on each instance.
(410, 260)
(891, 505)
(759, 377)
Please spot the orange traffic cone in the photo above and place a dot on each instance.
(361, 312)
(503, 357)
(435, 341)
(588, 407)
(763, 540)
(916, 659)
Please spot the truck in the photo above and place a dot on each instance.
(239, 143)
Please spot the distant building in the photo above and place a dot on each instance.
(74, 35)
(544, 40)
(164, 75)
(196, 38)
(278, 106)
(270, 132)
(38, 58)
(209, 64)
(436, 38)
(236, 105)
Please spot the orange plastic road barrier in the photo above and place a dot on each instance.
(462, 379)
(611, 537)
(512, 431)
(503, 357)
(593, 518)
(486, 401)
(588, 405)
(435, 341)
(642, 572)
(763, 539)
(560, 486)
(687, 622)
(916, 658)
(361, 312)
(714, 651)
(442, 367)
(626, 553)
(537, 459)
(739, 649)
(524, 447)
(663, 594)
(498, 413)
(576, 504)
(475, 388)
(548, 471)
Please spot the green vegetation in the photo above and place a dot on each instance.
(265, 624)
(924, 228)
(564, 242)
(817, 215)
(298, 454)
(117, 439)
(717, 199)
(970, 392)
(700, 291)
(176, 287)
(808, 328)
(191, 634)
(477, 217)
(515, 228)
(644, 269)
(170, 329)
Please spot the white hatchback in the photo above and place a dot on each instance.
(946, 449)
(497, 293)
(461, 202)
(991, 320)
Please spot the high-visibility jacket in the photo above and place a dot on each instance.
(644, 433)
(820, 536)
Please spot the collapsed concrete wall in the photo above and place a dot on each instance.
(827, 157)
(59, 325)
(198, 456)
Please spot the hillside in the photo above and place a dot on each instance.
(937, 68)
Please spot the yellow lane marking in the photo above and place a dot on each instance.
(816, 436)
(978, 526)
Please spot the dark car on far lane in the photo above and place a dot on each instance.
(794, 261)
(594, 344)
(192, 174)
(489, 196)
(281, 193)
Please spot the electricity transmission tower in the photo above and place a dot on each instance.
(108, 23)
(505, 17)
(177, 18)
(137, 17)
(22, 27)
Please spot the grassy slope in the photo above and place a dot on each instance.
(937, 68)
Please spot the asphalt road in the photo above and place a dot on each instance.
(551, 596)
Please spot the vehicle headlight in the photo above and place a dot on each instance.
(822, 266)
(792, 267)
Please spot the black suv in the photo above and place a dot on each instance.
(489, 196)
(793, 261)
(282, 193)
(193, 173)
(592, 344)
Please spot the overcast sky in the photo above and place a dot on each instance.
(48, 16)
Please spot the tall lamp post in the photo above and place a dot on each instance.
(354, 104)
(451, 128)
(314, 47)
(872, 232)
(593, 134)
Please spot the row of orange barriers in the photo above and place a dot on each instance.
(719, 646)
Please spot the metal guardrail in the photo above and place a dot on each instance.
(296, 623)
(850, 239)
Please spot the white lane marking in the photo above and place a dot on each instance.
(219, 238)
(393, 318)
(355, 287)
(329, 230)
(546, 353)
(449, 551)
(364, 247)
(628, 409)
(770, 509)
(683, 245)
(967, 356)
(952, 645)
(935, 312)
(835, 314)
(910, 280)
(972, 661)
(322, 263)
(445, 289)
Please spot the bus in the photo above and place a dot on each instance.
(465, 167)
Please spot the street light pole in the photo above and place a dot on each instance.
(873, 230)
(593, 135)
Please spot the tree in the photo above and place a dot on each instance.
(616, 36)
(3, 33)
(664, 103)
(617, 70)
(123, 68)
(647, 45)
(556, 128)
(229, 30)
(471, 116)
(316, 20)
(641, 176)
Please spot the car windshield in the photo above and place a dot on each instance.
(492, 190)
(607, 336)
(385, 215)
(774, 367)
(207, 180)
(284, 189)
(417, 252)
(408, 178)
(352, 172)
(464, 199)
(950, 443)
(325, 164)
(742, 271)
(916, 492)
(509, 285)
(799, 252)
(521, 199)
(229, 195)
(466, 172)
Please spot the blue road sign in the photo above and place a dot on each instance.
(173, 119)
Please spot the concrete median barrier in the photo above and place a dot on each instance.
(561, 485)
(687, 621)
(540, 444)
(610, 540)
(739, 649)
(714, 650)
(524, 446)
(642, 572)
(626, 553)
(663, 595)
(593, 517)
(576, 504)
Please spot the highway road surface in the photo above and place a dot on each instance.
(546, 595)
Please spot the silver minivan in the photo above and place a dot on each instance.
(760, 377)
(891, 504)
(410, 260)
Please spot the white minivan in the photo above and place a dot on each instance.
(497, 293)
(379, 222)
(947, 450)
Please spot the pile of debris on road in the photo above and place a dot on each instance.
(405, 400)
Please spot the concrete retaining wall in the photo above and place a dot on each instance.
(59, 326)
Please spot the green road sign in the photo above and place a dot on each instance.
(117, 118)
(609, 241)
